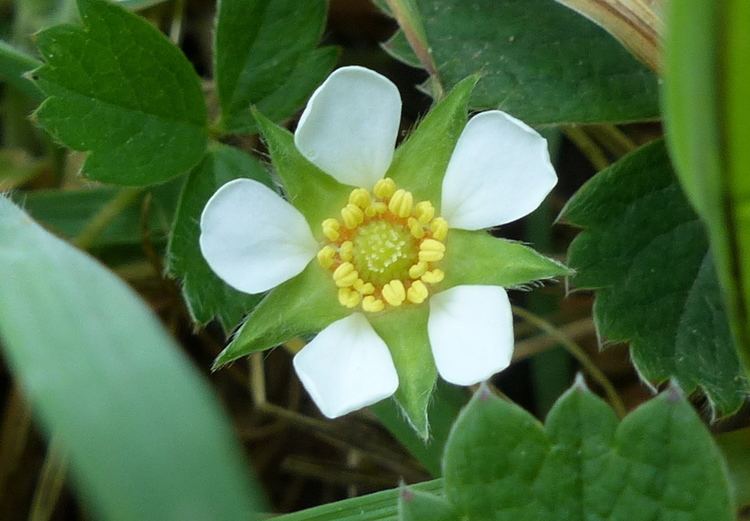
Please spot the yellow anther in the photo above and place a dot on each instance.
(326, 255)
(415, 228)
(345, 275)
(372, 304)
(346, 250)
(352, 215)
(418, 270)
(365, 288)
(433, 276)
(394, 292)
(401, 203)
(431, 250)
(376, 208)
(417, 292)
(360, 197)
(424, 211)
(349, 298)
(439, 228)
(331, 229)
(384, 188)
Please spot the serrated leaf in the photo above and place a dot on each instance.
(264, 56)
(145, 437)
(658, 463)
(539, 61)
(706, 55)
(301, 306)
(476, 257)
(206, 295)
(118, 89)
(646, 252)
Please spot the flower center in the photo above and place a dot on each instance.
(384, 249)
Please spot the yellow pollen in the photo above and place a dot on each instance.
(331, 229)
(325, 256)
(424, 211)
(349, 298)
(360, 197)
(439, 228)
(385, 249)
(394, 293)
(431, 250)
(417, 292)
(345, 250)
(433, 276)
(415, 227)
(352, 215)
(372, 304)
(345, 275)
(384, 188)
(401, 203)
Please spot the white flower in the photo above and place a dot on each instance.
(385, 249)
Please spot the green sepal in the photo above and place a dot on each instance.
(120, 90)
(415, 505)
(404, 330)
(301, 306)
(314, 193)
(476, 257)
(205, 294)
(419, 164)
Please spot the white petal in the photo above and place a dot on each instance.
(346, 367)
(471, 333)
(350, 124)
(252, 238)
(499, 171)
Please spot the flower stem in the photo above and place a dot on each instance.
(50, 483)
(99, 222)
(579, 354)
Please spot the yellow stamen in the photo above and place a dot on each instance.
(331, 229)
(418, 270)
(439, 227)
(376, 208)
(349, 298)
(401, 203)
(394, 292)
(326, 255)
(384, 188)
(365, 288)
(360, 197)
(346, 250)
(433, 276)
(415, 228)
(431, 250)
(345, 275)
(417, 293)
(372, 304)
(424, 211)
(352, 215)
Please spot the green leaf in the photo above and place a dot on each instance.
(659, 463)
(67, 212)
(645, 251)
(735, 445)
(405, 332)
(380, 506)
(539, 61)
(206, 295)
(120, 90)
(314, 193)
(145, 437)
(706, 55)
(479, 258)
(264, 56)
(301, 306)
(414, 505)
(14, 65)
(419, 164)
